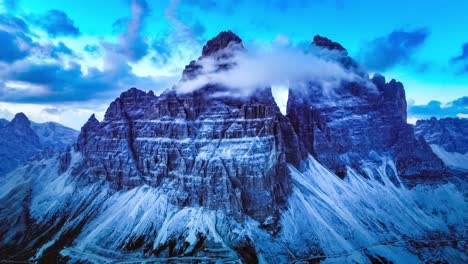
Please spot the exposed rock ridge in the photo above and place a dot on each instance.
(220, 42)
(324, 42)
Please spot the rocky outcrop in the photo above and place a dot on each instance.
(448, 133)
(220, 42)
(324, 42)
(204, 150)
(358, 123)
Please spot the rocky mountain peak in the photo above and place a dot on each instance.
(221, 41)
(93, 120)
(20, 121)
(327, 43)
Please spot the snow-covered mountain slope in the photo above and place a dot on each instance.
(61, 216)
(21, 139)
(448, 138)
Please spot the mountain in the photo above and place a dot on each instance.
(360, 123)
(205, 176)
(3, 122)
(21, 139)
(54, 135)
(447, 138)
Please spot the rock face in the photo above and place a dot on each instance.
(449, 133)
(21, 139)
(223, 40)
(216, 152)
(358, 123)
(324, 42)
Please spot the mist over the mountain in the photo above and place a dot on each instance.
(249, 70)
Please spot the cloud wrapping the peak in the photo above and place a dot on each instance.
(395, 48)
(56, 23)
(257, 69)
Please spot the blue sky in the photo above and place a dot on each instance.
(63, 60)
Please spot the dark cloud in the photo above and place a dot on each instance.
(464, 55)
(396, 48)
(60, 50)
(15, 46)
(54, 82)
(462, 102)
(461, 61)
(56, 23)
(17, 43)
(439, 110)
(36, 72)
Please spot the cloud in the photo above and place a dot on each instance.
(60, 50)
(396, 48)
(15, 46)
(56, 23)
(52, 111)
(246, 71)
(458, 107)
(463, 56)
(132, 44)
(462, 60)
(12, 24)
(27, 82)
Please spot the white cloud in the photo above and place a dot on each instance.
(256, 69)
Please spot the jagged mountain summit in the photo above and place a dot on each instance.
(21, 139)
(203, 176)
(447, 138)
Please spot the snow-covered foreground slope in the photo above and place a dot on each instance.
(47, 215)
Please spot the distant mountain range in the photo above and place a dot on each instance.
(21, 139)
(205, 176)
(448, 138)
